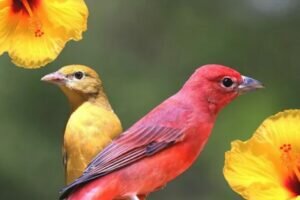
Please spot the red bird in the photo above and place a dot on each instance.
(164, 143)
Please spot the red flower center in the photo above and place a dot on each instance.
(24, 5)
(291, 160)
(293, 186)
(27, 7)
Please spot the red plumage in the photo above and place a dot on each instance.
(165, 142)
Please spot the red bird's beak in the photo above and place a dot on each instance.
(249, 84)
(55, 77)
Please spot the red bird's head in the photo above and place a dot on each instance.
(218, 85)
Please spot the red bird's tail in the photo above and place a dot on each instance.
(101, 192)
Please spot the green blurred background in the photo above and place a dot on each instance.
(144, 51)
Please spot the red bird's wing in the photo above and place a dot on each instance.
(131, 146)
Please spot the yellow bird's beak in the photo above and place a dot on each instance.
(55, 77)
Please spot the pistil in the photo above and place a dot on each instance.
(38, 32)
(291, 159)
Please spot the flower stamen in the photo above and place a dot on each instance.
(291, 160)
(38, 32)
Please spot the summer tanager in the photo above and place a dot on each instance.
(164, 143)
(92, 124)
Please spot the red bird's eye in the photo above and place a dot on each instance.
(227, 82)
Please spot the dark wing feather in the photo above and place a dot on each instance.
(131, 146)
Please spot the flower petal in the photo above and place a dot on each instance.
(282, 128)
(246, 169)
(4, 28)
(267, 192)
(71, 17)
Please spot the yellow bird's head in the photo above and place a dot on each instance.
(80, 83)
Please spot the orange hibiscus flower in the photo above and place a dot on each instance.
(34, 32)
(267, 166)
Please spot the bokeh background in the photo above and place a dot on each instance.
(144, 51)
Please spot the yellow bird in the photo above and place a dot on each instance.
(92, 124)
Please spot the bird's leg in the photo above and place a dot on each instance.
(133, 197)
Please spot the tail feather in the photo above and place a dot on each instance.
(66, 191)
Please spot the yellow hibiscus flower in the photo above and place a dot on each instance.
(267, 166)
(34, 32)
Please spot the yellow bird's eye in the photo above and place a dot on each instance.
(78, 75)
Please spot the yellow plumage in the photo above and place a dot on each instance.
(92, 124)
